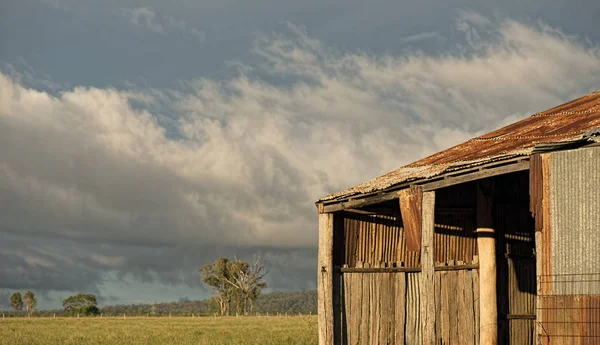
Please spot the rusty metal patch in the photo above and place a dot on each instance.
(411, 202)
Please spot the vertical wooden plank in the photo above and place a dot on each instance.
(466, 316)
(476, 299)
(357, 306)
(428, 269)
(413, 311)
(325, 279)
(347, 279)
(365, 310)
(400, 308)
(453, 307)
(384, 302)
(438, 307)
(445, 308)
(390, 304)
(374, 312)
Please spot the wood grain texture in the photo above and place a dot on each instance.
(325, 279)
(427, 269)
(400, 308)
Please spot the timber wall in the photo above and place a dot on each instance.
(379, 279)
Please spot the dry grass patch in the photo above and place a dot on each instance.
(272, 330)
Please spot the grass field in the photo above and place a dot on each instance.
(265, 330)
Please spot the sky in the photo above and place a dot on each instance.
(140, 140)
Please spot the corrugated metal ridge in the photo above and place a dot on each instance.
(510, 137)
(559, 113)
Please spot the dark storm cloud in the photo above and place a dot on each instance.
(93, 187)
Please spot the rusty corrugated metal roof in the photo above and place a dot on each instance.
(563, 123)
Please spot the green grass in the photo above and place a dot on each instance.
(263, 330)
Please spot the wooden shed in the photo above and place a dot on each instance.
(493, 241)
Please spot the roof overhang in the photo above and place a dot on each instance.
(428, 184)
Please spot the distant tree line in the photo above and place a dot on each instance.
(236, 286)
(291, 303)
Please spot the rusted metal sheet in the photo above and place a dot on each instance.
(564, 123)
(410, 207)
(570, 319)
(575, 212)
(535, 190)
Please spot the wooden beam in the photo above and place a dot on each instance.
(378, 269)
(428, 269)
(442, 181)
(325, 279)
(357, 203)
(368, 213)
(478, 175)
(403, 269)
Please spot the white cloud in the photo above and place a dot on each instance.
(252, 156)
(146, 17)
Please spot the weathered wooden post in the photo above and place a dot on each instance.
(325, 279)
(428, 269)
(418, 215)
(486, 247)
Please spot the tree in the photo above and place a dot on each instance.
(30, 302)
(216, 275)
(81, 303)
(248, 280)
(89, 310)
(16, 302)
(153, 308)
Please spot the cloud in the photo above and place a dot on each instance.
(421, 37)
(147, 18)
(23, 73)
(144, 17)
(91, 181)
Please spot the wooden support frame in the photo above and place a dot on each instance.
(325, 279)
(404, 269)
(446, 180)
(428, 269)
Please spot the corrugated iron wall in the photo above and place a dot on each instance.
(575, 218)
(570, 298)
